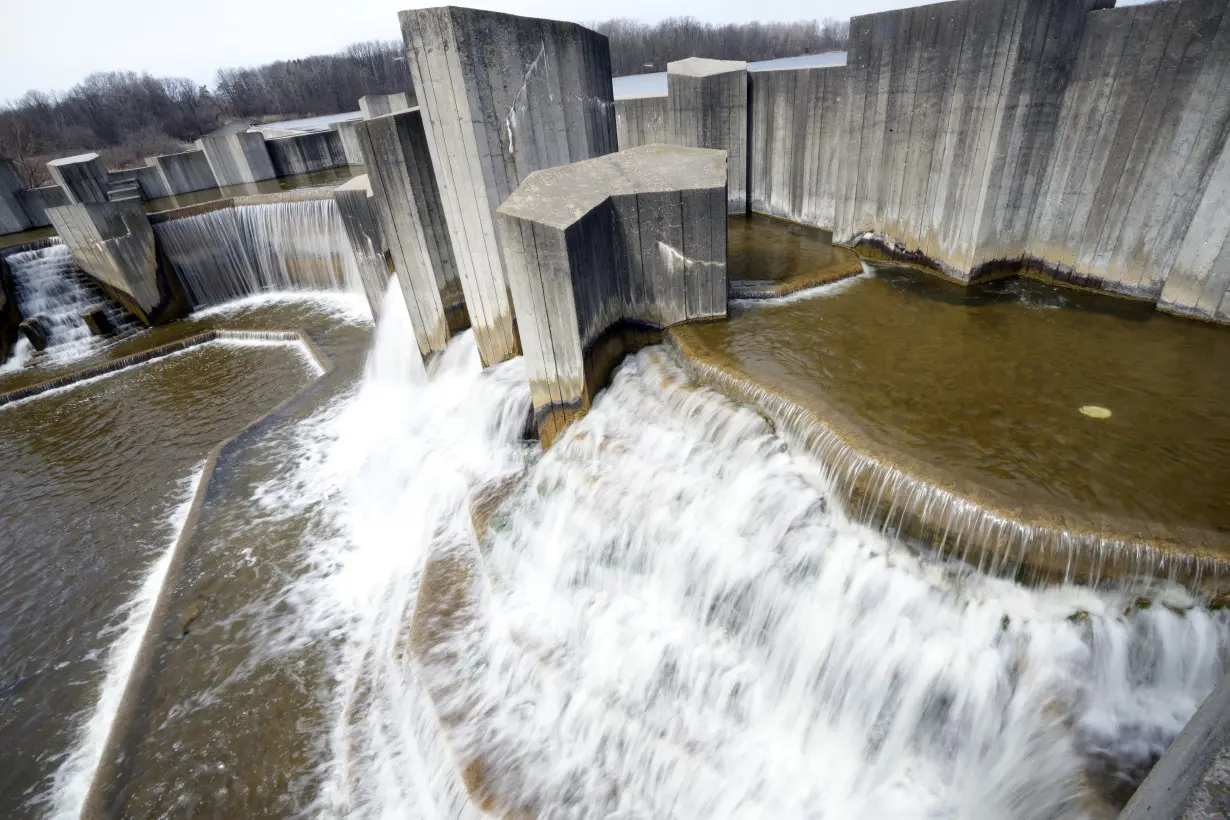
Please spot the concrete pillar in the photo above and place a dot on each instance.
(83, 178)
(377, 105)
(354, 202)
(13, 217)
(640, 121)
(502, 96)
(707, 108)
(603, 252)
(348, 133)
(407, 200)
(184, 172)
(237, 157)
(114, 243)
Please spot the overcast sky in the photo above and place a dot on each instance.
(53, 44)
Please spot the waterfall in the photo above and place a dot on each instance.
(48, 283)
(674, 617)
(239, 251)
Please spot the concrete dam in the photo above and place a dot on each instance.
(811, 442)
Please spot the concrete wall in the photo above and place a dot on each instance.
(640, 121)
(407, 199)
(797, 133)
(367, 242)
(13, 217)
(184, 172)
(305, 153)
(83, 178)
(114, 243)
(36, 201)
(503, 96)
(707, 108)
(351, 145)
(635, 237)
(153, 185)
(378, 105)
(1142, 137)
(236, 157)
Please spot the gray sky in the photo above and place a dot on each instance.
(53, 44)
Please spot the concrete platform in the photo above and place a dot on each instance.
(626, 244)
(503, 97)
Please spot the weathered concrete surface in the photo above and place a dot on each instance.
(347, 131)
(407, 200)
(797, 134)
(503, 96)
(378, 105)
(36, 201)
(185, 172)
(1192, 779)
(13, 217)
(952, 116)
(236, 157)
(707, 108)
(152, 184)
(1144, 123)
(640, 121)
(114, 243)
(634, 238)
(305, 153)
(10, 316)
(83, 178)
(354, 202)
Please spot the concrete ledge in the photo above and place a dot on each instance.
(636, 237)
(1191, 781)
(95, 805)
(888, 488)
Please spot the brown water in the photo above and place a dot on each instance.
(316, 179)
(93, 476)
(773, 257)
(980, 391)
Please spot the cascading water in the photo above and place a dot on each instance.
(48, 283)
(239, 251)
(675, 618)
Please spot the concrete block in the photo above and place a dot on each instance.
(359, 215)
(36, 201)
(305, 153)
(407, 199)
(640, 121)
(602, 252)
(114, 243)
(13, 217)
(707, 108)
(184, 172)
(503, 96)
(237, 157)
(83, 178)
(151, 181)
(351, 145)
(378, 105)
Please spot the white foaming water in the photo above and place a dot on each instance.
(48, 283)
(71, 783)
(238, 251)
(677, 620)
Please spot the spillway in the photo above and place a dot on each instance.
(276, 246)
(48, 283)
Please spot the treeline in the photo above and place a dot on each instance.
(126, 116)
(638, 47)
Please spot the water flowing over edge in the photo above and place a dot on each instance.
(671, 615)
